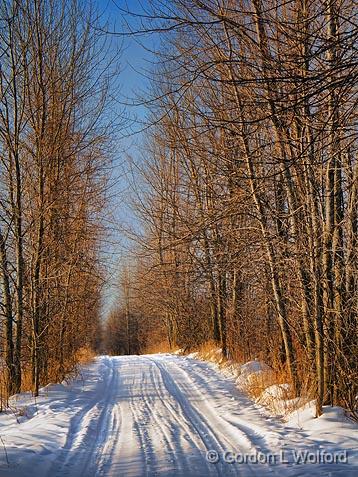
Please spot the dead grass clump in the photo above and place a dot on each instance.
(26, 379)
(256, 383)
(209, 351)
(4, 397)
(161, 347)
(85, 355)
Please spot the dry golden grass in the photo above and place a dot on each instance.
(280, 399)
(26, 379)
(258, 382)
(162, 347)
(85, 355)
(3, 391)
(209, 351)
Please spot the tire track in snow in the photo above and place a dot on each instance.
(238, 437)
(109, 427)
(87, 434)
(141, 422)
(259, 438)
(181, 423)
(251, 433)
(252, 436)
(190, 434)
(210, 438)
(179, 428)
(151, 427)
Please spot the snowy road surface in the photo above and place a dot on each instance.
(159, 415)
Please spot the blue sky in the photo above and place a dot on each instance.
(132, 81)
(135, 59)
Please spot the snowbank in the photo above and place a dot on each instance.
(333, 429)
(277, 399)
(254, 374)
(304, 418)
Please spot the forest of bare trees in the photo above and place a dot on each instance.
(246, 191)
(249, 189)
(52, 181)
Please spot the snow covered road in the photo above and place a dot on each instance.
(160, 415)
